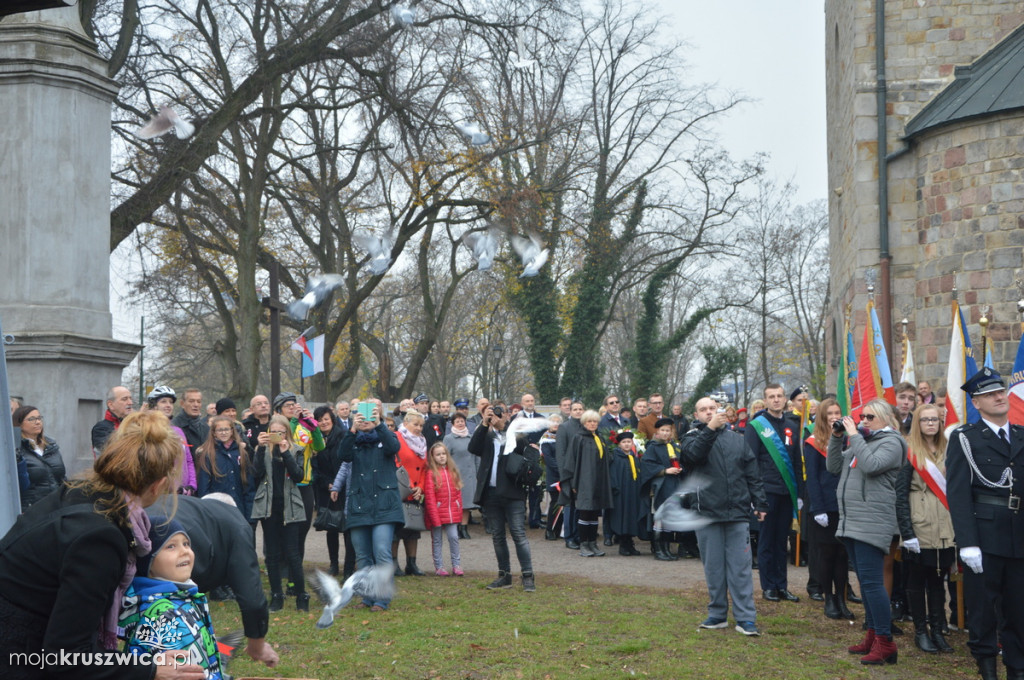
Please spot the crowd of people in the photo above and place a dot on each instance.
(868, 493)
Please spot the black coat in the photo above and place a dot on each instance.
(481, 444)
(997, 530)
(63, 572)
(821, 484)
(45, 472)
(655, 483)
(731, 478)
(590, 479)
(628, 517)
(770, 475)
(225, 555)
(196, 430)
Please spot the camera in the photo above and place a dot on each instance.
(838, 427)
(498, 411)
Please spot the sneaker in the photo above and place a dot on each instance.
(529, 585)
(504, 580)
(712, 623)
(747, 628)
(442, 572)
(457, 571)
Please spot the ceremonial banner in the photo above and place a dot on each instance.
(908, 374)
(312, 355)
(1017, 387)
(959, 409)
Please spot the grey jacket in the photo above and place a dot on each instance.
(294, 508)
(867, 489)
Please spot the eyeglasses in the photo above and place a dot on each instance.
(929, 420)
(34, 419)
(867, 416)
(221, 430)
(613, 401)
(278, 432)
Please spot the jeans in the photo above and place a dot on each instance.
(867, 561)
(373, 546)
(501, 512)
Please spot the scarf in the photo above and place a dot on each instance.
(416, 442)
(140, 525)
(110, 417)
(367, 439)
(460, 431)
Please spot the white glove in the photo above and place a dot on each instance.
(799, 503)
(913, 545)
(822, 519)
(972, 558)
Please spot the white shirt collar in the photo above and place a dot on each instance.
(996, 428)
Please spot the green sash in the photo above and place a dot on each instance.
(779, 453)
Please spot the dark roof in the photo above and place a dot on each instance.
(992, 84)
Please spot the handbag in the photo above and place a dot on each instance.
(412, 510)
(329, 520)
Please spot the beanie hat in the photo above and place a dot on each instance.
(160, 531)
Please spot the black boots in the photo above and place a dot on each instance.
(936, 618)
(627, 547)
(832, 607)
(276, 602)
(302, 602)
(661, 551)
(410, 567)
(987, 668)
(464, 531)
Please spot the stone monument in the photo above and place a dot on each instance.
(55, 101)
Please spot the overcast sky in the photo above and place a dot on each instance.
(774, 54)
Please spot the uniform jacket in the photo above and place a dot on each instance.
(867, 489)
(481, 444)
(45, 472)
(263, 473)
(920, 512)
(732, 479)
(163, 616)
(373, 483)
(996, 530)
(770, 475)
(443, 501)
(589, 473)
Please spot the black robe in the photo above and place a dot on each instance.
(629, 516)
(653, 464)
(590, 478)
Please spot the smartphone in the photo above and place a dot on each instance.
(275, 437)
(366, 408)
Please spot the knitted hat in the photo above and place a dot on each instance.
(160, 531)
(224, 404)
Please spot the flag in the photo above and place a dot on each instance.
(874, 380)
(1017, 387)
(846, 375)
(908, 375)
(988, 357)
(959, 409)
(312, 354)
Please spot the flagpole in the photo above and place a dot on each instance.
(983, 322)
(906, 346)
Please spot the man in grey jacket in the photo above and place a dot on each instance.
(730, 485)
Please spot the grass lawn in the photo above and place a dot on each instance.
(571, 628)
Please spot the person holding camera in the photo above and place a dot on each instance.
(731, 485)
(279, 507)
(501, 497)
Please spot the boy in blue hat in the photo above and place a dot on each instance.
(163, 610)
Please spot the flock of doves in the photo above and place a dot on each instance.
(483, 244)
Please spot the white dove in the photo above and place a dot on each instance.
(679, 511)
(518, 58)
(484, 246)
(473, 134)
(403, 16)
(532, 252)
(373, 583)
(520, 426)
(378, 248)
(317, 290)
(163, 122)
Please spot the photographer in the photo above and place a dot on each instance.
(731, 484)
(503, 501)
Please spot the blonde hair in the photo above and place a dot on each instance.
(920, 447)
(286, 424)
(590, 415)
(141, 451)
(884, 411)
(412, 417)
(453, 469)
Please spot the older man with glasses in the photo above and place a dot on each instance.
(611, 420)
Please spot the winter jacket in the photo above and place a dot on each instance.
(731, 479)
(482, 444)
(102, 430)
(547, 450)
(188, 462)
(590, 479)
(196, 430)
(458, 449)
(413, 464)
(920, 512)
(307, 436)
(163, 616)
(373, 483)
(326, 464)
(867, 470)
(263, 474)
(821, 484)
(45, 472)
(228, 478)
(443, 502)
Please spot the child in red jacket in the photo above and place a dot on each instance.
(442, 490)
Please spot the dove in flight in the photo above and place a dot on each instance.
(484, 246)
(518, 59)
(679, 512)
(373, 583)
(473, 134)
(532, 252)
(317, 290)
(378, 248)
(163, 122)
(403, 16)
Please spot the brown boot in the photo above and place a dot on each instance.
(865, 646)
(883, 651)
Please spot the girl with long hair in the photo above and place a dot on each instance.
(442, 489)
(224, 465)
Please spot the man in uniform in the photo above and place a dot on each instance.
(984, 485)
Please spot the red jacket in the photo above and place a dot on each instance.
(444, 504)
